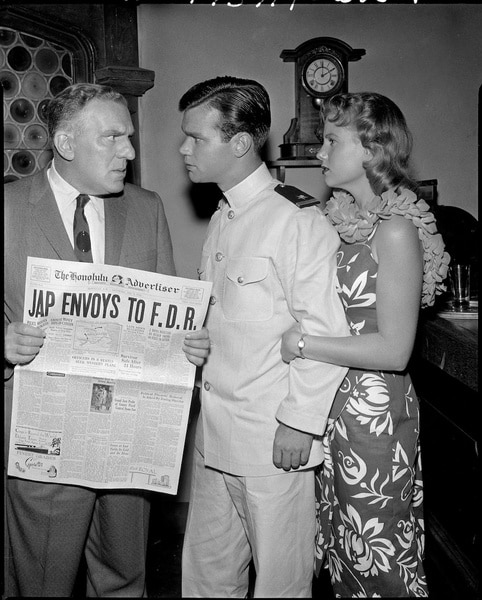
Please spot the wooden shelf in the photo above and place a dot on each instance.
(282, 164)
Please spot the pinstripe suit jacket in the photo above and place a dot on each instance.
(136, 236)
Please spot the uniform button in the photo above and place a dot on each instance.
(240, 279)
(212, 300)
(207, 386)
(219, 256)
(231, 214)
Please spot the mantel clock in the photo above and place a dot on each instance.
(321, 70)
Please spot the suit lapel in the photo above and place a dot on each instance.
(115, 209)
(45, 211)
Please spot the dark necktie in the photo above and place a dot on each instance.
(81, 231)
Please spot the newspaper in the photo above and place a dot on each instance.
(105, 403)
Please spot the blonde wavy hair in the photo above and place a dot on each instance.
(382, 129)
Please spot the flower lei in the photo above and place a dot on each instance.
(355, 225)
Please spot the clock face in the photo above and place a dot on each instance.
(322, 76)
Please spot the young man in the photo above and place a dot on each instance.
(49, 526)
(272, 263)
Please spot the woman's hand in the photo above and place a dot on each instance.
(196, 346)
(289, 343)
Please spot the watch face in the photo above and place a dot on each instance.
(322, 76)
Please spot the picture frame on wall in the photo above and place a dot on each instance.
(427, 190)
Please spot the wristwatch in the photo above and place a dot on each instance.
(301, 345)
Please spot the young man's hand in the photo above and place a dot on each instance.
(196, 346)
(291, 448)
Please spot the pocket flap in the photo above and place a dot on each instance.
(247, 270)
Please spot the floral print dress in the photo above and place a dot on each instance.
(369, 489)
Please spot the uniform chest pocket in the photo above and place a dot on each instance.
(247, 290)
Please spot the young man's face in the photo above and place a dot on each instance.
(101, 148)
(207, 158)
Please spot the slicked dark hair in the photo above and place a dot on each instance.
(243, 104)
(63, 109)
(382, 129)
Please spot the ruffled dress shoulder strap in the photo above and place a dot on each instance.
(356, 225)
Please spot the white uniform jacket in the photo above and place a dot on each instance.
(271, 264)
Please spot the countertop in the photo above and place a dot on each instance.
(451, 345)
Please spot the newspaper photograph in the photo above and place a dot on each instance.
(105, 403)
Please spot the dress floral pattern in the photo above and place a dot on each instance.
(369, 490)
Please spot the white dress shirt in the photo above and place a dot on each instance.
(271, 264)
(66, 198)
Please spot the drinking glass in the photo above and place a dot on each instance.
(460, 285)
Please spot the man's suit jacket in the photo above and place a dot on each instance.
(136, 235)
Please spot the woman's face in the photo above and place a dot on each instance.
(342, 156)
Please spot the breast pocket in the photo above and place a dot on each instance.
(145, 261)
(247, 290)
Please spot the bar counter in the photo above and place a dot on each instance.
(451, 345)
(445, 376)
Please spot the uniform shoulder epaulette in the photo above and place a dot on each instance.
(293, 194)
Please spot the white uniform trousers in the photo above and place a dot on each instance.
(232, 519)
